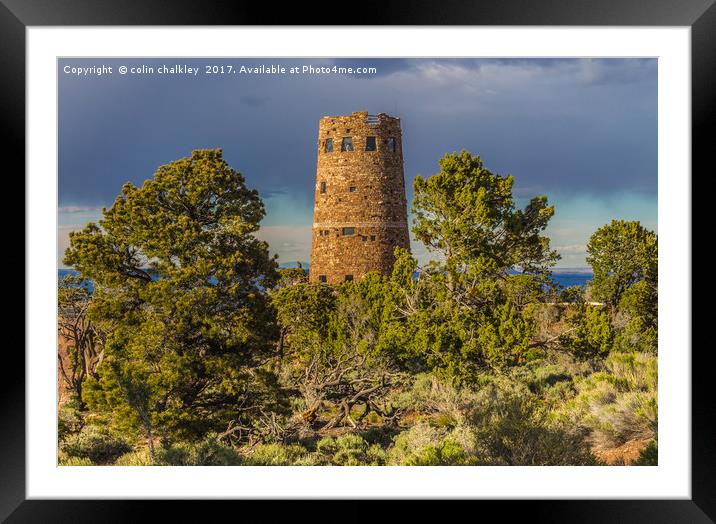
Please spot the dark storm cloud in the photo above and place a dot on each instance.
(558, 125)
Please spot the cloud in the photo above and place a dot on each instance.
(573, 248)
(63, 242)
(577, 130)
(605, 72)
(78, 209)
(290, 242)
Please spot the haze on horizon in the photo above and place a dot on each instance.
(581, 131)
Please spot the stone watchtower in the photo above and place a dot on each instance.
(360, 212)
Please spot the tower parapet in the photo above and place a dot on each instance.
(360, 210)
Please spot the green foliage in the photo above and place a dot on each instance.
(505, 338)
(431, 396)
(618, 403)
(65, 460)
(303, 310)
(514, 429)
(572, 295)
(552, 378)
(142, 457)
(331, 338)
(96, 445)
(424, 445)
(81, 337)
(291, 276)
(207, 452)
(69, 420)
(350, 450)
(446, 453)
(591, 334)
(622, 254)
(467, 213)
(209, 356)
(457, 334)
(637, 319)
(466, 313)
(624, 257)
(497, 421)
(177, 271)
(649, 455)
(279, 455)
(521, 290)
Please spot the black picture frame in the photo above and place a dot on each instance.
(699, 15)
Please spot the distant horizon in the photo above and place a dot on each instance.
(306, 265)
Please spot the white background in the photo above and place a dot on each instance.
(671, 479)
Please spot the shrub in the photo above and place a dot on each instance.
(513, 429)
(572, 295)
(95, 444)
(69, 420)
(631, 416)
(592, 334)
(649, 455)
(135, 458)
(618, 403)
(551, 380)
(498, 421)
(431, 395)
(208, 452)
(75, 461)
(447, 453)
(350, 450)
(383, 435)
(637, 317)
(424, 445)
(279, 455)
(418, 437)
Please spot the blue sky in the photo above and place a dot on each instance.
(581, 131)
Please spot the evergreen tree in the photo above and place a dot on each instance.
(179, 277)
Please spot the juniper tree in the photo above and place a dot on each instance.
(332, 346)
(82, 339)
(179, 277)
(622, 254)
(624, 258)
(464, 312)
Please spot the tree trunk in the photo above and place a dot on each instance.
(150, 441)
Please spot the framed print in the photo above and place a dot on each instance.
(442, 255)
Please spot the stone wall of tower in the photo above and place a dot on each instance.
(359, 189)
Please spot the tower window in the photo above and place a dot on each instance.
(329, 145)
(323, 187)
(349, 230)
(370, 143)
(349, 278)
(322, 278)
(352, 189)
(364, 238)
(347, 144)
(391, 144)
(324, 232)
(372, 237)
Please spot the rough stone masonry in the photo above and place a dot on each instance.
(360, 210)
